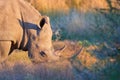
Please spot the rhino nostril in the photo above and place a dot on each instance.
(43, 54)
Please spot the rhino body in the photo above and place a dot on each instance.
(23, 27)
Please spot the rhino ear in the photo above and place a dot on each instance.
(44, 21)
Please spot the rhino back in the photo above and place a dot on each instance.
(10, 28)
(15, 16)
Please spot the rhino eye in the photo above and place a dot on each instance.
(43, 54)
(42, 22)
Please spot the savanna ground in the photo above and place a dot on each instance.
(93, 24)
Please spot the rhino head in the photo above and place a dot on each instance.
(40, 43)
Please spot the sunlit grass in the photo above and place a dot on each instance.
(18, 55)
(65, 5)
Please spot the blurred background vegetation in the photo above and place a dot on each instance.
(97, 21)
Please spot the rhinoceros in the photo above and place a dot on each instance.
(23, 27)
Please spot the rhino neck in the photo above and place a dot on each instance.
(25, 40)
(28, 21)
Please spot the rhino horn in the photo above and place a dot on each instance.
(58, 52)
(76, 54)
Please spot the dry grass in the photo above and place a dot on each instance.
(88, 5)
(50, 5)
(86, 58)
(64, 5)
(19, 67)
(17, 57)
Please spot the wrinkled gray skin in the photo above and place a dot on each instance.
(22, 27)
